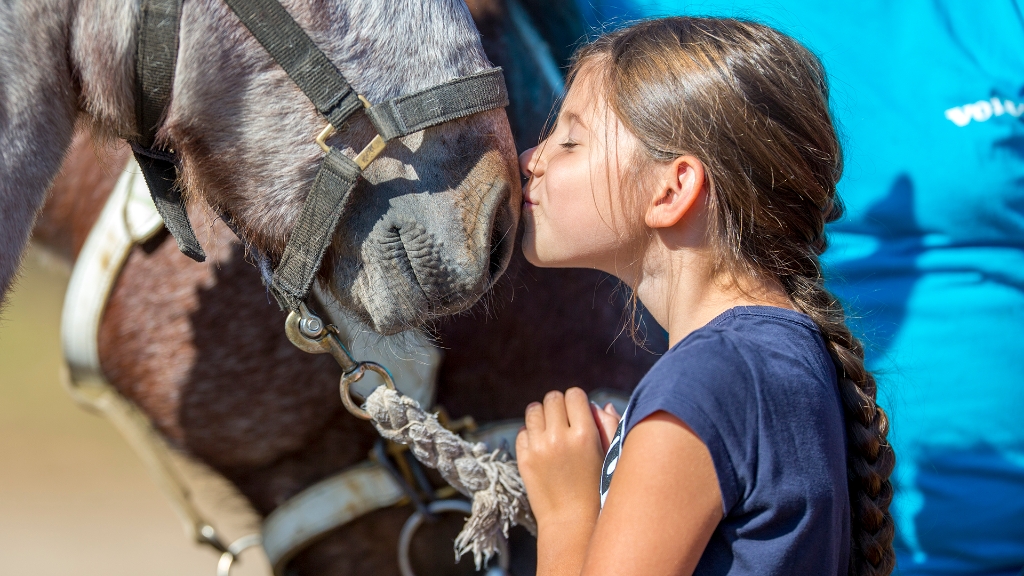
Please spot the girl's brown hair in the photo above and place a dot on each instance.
(752, 104)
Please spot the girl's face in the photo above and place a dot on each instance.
(571, 206)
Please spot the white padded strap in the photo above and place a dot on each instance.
(127, 218)
(324, 506)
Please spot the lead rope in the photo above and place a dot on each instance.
(489, 478)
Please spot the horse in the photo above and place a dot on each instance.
(199, 348)
(242, 133)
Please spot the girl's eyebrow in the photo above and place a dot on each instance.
(574, 117)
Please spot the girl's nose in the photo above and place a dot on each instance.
(526, 162)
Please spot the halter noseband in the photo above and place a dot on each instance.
(332, 96)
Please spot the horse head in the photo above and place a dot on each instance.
(432, 221)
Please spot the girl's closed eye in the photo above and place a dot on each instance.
(569, 144)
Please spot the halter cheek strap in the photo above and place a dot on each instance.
(332, 96)
(157, 54)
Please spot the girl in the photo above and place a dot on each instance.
(695, 159)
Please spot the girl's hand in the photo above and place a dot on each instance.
(560, 457)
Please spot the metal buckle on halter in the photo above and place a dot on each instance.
(369, 153)
(309, 333)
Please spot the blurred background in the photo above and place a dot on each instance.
(74, 498)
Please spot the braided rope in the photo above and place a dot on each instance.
(490, 479)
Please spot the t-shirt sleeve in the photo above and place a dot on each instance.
(708, 384)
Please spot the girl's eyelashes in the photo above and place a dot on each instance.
(569, 145)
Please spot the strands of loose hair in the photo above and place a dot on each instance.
(752, 104)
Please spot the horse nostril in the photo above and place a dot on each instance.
(501, 240)
(498, 251)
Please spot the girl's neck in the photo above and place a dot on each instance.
(683, 293)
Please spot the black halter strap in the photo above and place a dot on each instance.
(156, 55)
(333, 97)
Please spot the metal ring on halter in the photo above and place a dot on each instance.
(354, 376)
(227, 559)
(440, 507)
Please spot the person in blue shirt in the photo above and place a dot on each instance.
(695, 159)
(929, 259)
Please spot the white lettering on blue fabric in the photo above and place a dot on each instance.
(983, 110)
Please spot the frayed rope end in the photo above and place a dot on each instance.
(493, 482)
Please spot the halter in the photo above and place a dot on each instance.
(333, 98)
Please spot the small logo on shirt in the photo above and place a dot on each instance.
(983, 110)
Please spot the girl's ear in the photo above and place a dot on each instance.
(679, 183)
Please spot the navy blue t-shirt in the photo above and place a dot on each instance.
(758, 387)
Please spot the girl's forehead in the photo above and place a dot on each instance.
(583, 100)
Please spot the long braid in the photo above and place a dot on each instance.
(869, 457)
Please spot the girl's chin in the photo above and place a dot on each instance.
(529, 244)
(544, 254)
(530, 248)
(533, 257)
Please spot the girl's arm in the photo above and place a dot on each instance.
(663, 505)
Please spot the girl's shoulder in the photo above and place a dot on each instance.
(741, 351)
(753, 331)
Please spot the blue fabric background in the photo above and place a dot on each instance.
(929, 260)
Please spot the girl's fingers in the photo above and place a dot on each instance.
(534, 418)
(554, 411)
(577, 408)
(606, 425)
(610, 409)
(522, 441)
(606, 440)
